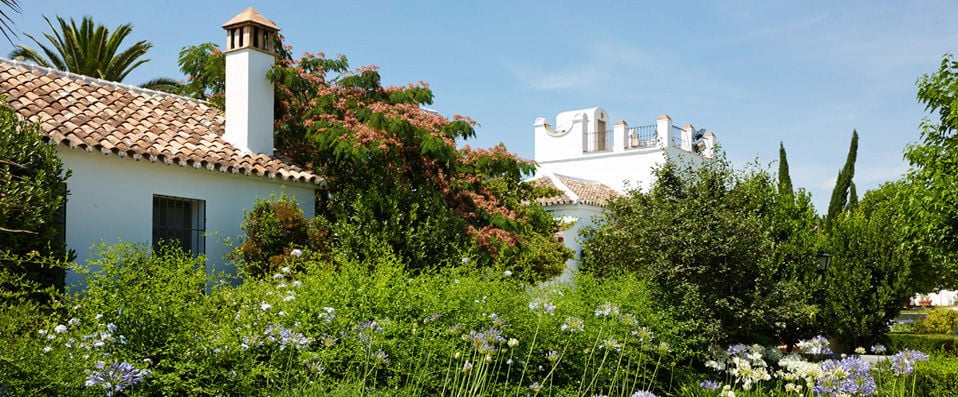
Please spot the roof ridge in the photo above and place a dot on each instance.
(93, 80)
(574, 178)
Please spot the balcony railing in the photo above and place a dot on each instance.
(677, 140)
(599, 141)
(640, 137)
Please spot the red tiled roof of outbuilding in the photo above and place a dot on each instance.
(92, 114)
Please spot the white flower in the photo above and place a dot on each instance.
(42, 332)
(285, 269)
(296, 252)
(289, 298)
(265, 306)
(60, 329)
(297, 284)
(507, 273)
(47, 349)
(513, 342)
(74, 321)
(277, 276)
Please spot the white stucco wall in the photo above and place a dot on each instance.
(620, 171)
(111, 199)
(585, 215)
(249, 104)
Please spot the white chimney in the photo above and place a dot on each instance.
(249, 94)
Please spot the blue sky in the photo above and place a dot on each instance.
(756, 73)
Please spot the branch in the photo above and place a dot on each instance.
(3, 229)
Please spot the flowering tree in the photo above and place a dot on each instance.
(396, 175)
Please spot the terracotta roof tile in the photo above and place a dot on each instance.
(82, 112)
(588, 192)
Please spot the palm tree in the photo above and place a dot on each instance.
(91, 50)
(6, 22)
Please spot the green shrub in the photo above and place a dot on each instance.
(274, 228)
(32, 196)
(339, 326)
(938, 377)
(939, 321)
(931, 344)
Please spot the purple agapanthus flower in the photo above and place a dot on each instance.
(709, 385)
(115, 378)
(903, 362)
(847, 377)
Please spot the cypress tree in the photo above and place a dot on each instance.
(844, 182)
(852, 198)
(784, 179)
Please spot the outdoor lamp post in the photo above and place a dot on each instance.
(824, 261)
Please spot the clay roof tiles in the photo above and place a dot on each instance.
(588, 192)
(83, 112)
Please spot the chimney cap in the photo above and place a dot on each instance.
(250, 15)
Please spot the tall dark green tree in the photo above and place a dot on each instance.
(90, 49)
(843, 184)
(784, 179)
(852, 197)
(32, 194)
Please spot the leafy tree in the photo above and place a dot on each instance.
(933, 176)
(32, 195)
(723, 247)
(870, 278)
(90, 49)
(844, 182)
(394, 170)
(784, 179)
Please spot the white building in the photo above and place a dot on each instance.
(585, 144)
(150, 166)
(591, 161)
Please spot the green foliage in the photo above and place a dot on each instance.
(932, 209)
(274, 228)
(6, 21)
(840, 194)
(939, 321)
(784, 179)
(870, 276)
(723, 248)
(339, 326)
(89, 49)
(32, 195)
(945, 345)
(938, 377)
(205, 66)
